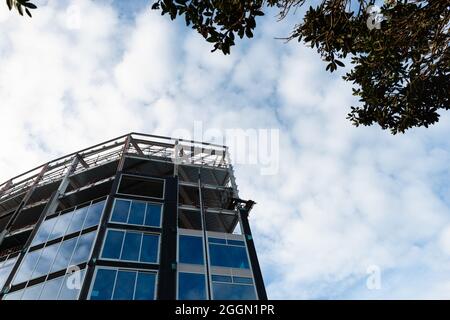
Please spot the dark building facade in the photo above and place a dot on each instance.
(139, 217)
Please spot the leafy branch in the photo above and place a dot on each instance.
(21, 6)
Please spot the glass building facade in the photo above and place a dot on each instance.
(138, 217)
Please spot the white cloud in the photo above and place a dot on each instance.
(345, 198)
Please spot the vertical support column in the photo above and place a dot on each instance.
(231, 173)
(125, 148)
(259, 282)
(53, 203)
(168, 251)
(23, 203)
(205, 236)
(176, 158)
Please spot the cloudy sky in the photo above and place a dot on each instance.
(344, 201)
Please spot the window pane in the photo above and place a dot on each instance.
(61, 226)
(32, 293)
(51, 289)
(6, 270)
(149, 252)
(77, 220)
(103, 284)
(228, 256)
(27, 266)
(236, 243)
(71, 285)
(243, 280)
(120, 212)
(137, 213)
(83, 248)
(131, 246)
(228, 291)
(221, 278)
(113, 244)
(217, 240)
(44, 230)
(64, 254)
(16, 295)
(46, 260)
(191, 286)
(145, 286)
(124, 288)
(191, 249)
(94, 214)
(153, 215)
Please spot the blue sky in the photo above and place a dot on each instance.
(344, 199)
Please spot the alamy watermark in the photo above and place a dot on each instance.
(251, 146)
(73, 279)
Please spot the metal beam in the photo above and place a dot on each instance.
(81, 160)
(136, 146)
(125, 148)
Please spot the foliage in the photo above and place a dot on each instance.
(21, 6)
(400, 67)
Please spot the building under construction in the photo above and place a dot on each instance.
(139, 217)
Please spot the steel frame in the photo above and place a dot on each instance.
(139, 144)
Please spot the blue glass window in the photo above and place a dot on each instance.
(103, 284)
(221, 278)
(153, 215)
(150, 246)
(45, 260)
(83, 248)
(16, 295)
(118, 284)
(72, 285)
(120, 211)
(61, 226)
(131, 246)
(137, 213)
(51, 289)
(145, 286)
(228, 256)
(229, 291)
(94, 214)
(191, 286)
(5, 269)
(190, 249)
(27, 266)
(217, 240)
(68, 223)
(32, 293)
(113, 244)
(64, 254)
(124, 288)
(55, 257)
(242, 280)
(236, 243)
(78, 218)
(62, 288)
(44, 230)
